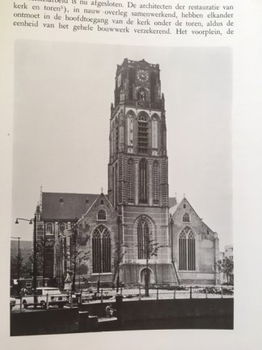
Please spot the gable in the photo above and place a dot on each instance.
(185, 214)
(100, 204)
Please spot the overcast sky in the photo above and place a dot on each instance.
(61, 124)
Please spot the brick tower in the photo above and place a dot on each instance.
(138, 173)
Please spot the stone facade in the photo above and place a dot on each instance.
(138, 169)
(206, 246)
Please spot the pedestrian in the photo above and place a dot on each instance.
(109, 310)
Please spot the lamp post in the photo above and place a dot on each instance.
(32, 221)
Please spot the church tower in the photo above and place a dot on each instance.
(138, 173)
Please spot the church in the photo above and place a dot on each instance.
(136, 230)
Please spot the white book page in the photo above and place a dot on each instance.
(52, 35)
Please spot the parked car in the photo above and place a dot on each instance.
(106, 294)
(46, 295)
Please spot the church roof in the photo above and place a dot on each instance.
(65, 206)
(71, 206)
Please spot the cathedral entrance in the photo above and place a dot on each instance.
(146, 273)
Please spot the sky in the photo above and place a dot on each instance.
(63, 93)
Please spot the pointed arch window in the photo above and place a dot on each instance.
(186, 217)
(130, 180)
(117, 138)
(143, 185)
(141, 96)
(101, 215)
(143, 238)
(49, 228)
(156, 182)
(191, 252)
(131, 76)
(153, 86)
(101, 250)
(96, 251)
(130, 129)
(106, 251)
(154, 132)
(187, 254)
(143, 133)
(115, 186)
(182, 251)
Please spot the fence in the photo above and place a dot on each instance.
(128, 294)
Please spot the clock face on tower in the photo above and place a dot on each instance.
(142, 75)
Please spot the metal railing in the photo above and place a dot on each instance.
(129, 294)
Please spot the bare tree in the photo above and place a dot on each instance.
(78, 256)
(151, 249)
(226, 265)
(118, 259)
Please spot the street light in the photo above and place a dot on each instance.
(31, 221)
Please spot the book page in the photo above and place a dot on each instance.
(61, 94)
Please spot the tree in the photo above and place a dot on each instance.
(21, 267)
(77, 255)
(118, 259)
(151, 249)
(79, 258)
(27, 267)
(226, 266)
(16, 266)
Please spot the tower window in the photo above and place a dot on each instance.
(141, 96)
(101, 250)
(187, 250)
(117, 137)
(143, 133)
(130, 129)
(101, 215)
(131, 76)
(49, 228)
(130, 180)
(153, 86)
(154, 132)
(115, 185)
(143, 188)
(186, 217)
(143, 238)
(156, 183)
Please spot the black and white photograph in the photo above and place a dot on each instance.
(122, 188)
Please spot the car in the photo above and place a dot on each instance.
(50, 296)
